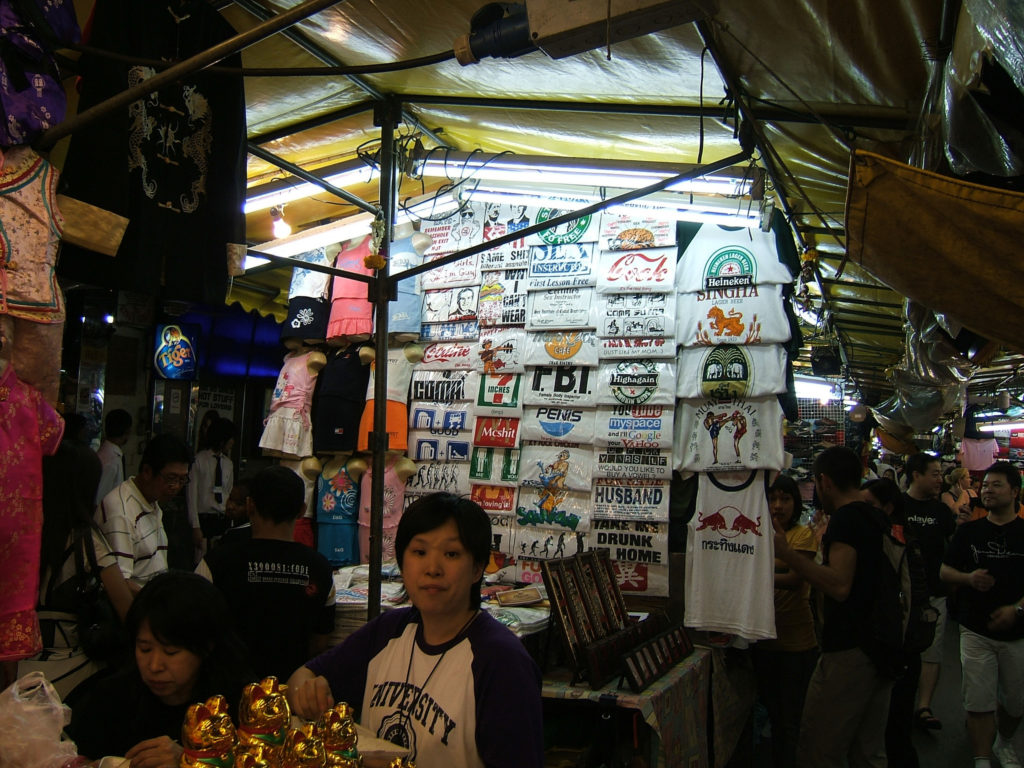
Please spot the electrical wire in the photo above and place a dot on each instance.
(364, 69)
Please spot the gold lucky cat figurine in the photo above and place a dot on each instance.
(337, 728)
(303, 749)
(245, 759)
(263, 717)
(208, 735)
(399, 762)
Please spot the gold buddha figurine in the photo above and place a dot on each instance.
(208, 735)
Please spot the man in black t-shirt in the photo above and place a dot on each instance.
(847, 701)
(281, 593)
(930, 523)
(985, 561)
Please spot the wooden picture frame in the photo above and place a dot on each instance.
(592, 602)
(574, 601)
(610, 594)
(560, 610)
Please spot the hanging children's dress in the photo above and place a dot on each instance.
(351, 310)
(337, 515)
(288, 431)
(394, 505)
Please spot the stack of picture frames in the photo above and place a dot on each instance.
(600, 640)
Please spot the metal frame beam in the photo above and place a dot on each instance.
(302, 173)
(314, 50)
(668, 110)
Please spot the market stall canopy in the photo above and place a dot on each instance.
(817, 79)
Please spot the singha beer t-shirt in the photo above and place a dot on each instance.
(730, 556)
(471, 702)
(744, 315)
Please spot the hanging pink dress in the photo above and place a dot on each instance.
(351, 310)
(287, 430)
(394, 505)
(29, 430)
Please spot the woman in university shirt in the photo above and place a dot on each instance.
(442, 678)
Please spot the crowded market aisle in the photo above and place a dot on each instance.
(949, 746)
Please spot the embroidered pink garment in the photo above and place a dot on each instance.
(29, 429)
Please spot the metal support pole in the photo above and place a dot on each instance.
(170, 75)
(388, 115)
(302, 173)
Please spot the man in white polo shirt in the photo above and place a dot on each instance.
(130, 516)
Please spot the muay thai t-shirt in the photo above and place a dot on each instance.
(448, 704)
(722, 435)
(730, 556)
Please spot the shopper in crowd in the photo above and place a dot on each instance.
(281, 593)
(847, 700)
(930, 523)
(130, 517)
(884, 494)
(209, 484)
(956, 493)
(985, 561)
(116, 429)
(184, 652)
(73, 552)
(784, 665)
(236, 511)
(441, 678)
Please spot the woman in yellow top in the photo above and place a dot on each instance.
(784, 665)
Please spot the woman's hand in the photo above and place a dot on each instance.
(309, 696)
(160, 752)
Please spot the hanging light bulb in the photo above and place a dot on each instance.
(280, 226)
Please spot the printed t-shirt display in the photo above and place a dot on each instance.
(730, 555)
(730, 370)
(1000, 550)
(726, 257)
(472, 702)
(716, 435)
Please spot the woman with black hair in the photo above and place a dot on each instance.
(184, 652)
(784, 665)
(74, 556)
(442, 678)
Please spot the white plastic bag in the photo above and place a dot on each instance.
(31, 720)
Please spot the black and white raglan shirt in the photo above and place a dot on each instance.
(472, 702)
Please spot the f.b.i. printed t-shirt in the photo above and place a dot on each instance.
(472, 702)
